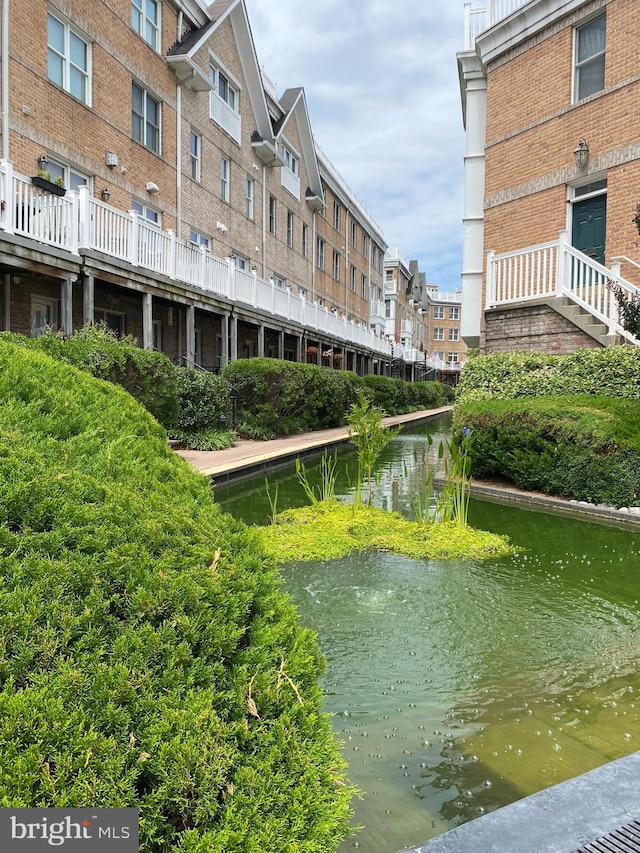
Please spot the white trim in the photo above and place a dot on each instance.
(220, 66)
(71, 28)
(599, 13)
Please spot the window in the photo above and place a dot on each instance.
(224, 104)
(145, 21)
(195, 155)
(364, 246)
(354, 234)
(352, 279)
(225, 169)
(146, 212)
(68, 59)
(44, 314)
(336, 265)
(336, 215)
(320, 253)
(438, 334)
(589, 58)
(363, 286)
(290, 229)
(71, 178)
(302, 292)
(290, 173)
(454, 313)
(454, 334)
(242, 263)
(198, 238)
(145, 118)
(249, 195)
(438, 312)
(272, 215)
(452, 357)
(305, 241)
(112, 320)
(278, 281)
(156, 330)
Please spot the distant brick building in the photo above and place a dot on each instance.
(552, 169)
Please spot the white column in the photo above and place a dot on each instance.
(261, 341)
(88, 299)
(233, 329)
(66, 304)
(147, 321)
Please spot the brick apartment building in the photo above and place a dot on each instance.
(196, 211)
(552, 171)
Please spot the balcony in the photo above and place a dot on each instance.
(224, 116)
(376, 313)
(290, 182)
(78, 221)
(481, 18)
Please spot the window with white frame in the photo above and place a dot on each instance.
(305, 240)
(279, 281)
(320, 253)
(241, 262)
(438, 334)
(71, 177)
(289, 229)
(590, 41)
(363, 286)
(198, 238)
(145, 212)
(354, 234)
(452, 357)
(44, 315)
(290, 172)
(272, 214)
(224, 104)
(145, 20)
(336, 215)
(249, 197)
(113, 320)
(363, 250)
(145, 118)
(438, 312)
(68, 58)
(195, 155)
(303, 292)
(352, 279)
(225, 175)
(336, 265)
(454, 334)
(454, 313)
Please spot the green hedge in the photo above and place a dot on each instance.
(149, 656)
(148, 376)
(580, 447)
(608, 371)
(395, 396)
(278, 397)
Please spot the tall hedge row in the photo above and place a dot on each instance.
(149, 656)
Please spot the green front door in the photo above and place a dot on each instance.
(589, 226)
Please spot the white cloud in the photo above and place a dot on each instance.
(382, 89)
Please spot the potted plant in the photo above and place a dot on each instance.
(43, 180)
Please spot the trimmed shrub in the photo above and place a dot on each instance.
(148, 376)
(580, 447)
(608, 371)
(204, 401)
(149, 656)
(278, 397)
(397, 397)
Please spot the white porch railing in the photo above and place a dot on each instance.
(479, 19)
(77, 220)
(290, 182)
(557, 269)
(227, 118)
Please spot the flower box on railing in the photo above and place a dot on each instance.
(47, 186)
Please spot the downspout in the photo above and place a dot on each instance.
(264, 221)
(5, 79)
(313, 257)
(347, 277)
(179, 142)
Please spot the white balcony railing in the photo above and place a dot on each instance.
(481, 18)
(557, 269)
(78, 221)
(290, 182)
(227, 118)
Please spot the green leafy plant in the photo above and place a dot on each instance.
(326, 490)
(453, 500)
(370, 435)
(273, 499)
(207, 439)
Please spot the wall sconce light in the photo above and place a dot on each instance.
(105, 195)
(43, 162)
(581, 154)
(152, 188)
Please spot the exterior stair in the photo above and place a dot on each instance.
(583, 320)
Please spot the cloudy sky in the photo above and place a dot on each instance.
(381, 82)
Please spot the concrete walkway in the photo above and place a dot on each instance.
(251, 457)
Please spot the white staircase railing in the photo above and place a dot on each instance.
(78, 220)
(479, 19)
(558, 269)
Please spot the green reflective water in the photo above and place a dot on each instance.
(459, 687)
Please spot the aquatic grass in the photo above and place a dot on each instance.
(453, 500)
(330, 530)
(370, 435)
(326, 489)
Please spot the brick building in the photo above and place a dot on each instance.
(552, 171)
(196, 211)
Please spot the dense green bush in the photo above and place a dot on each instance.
(398, 397)
(283, 398)
(149, 656)
(609, 371)
(148, 376)
(581, 447)
(204, 401)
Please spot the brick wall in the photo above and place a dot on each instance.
(535, 327)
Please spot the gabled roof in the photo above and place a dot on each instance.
(294, 103)
(181, 56)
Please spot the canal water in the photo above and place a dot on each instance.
(460, 686)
